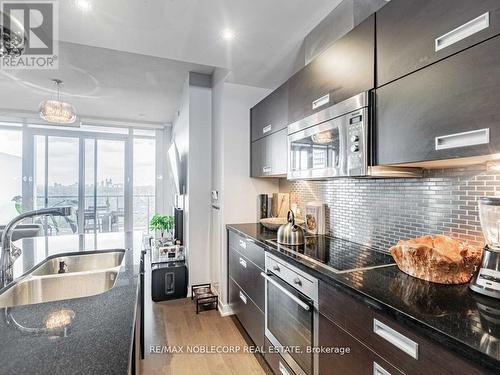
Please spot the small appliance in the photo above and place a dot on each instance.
(487, 279)
(336, 142)
(171, 253)
(169, 280)
(291, 314)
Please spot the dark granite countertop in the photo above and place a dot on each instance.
(452, 315)
(100, 338)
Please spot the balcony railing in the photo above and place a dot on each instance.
(107, 216)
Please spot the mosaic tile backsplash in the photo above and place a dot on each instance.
(379, 212)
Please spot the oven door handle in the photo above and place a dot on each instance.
(297, 300)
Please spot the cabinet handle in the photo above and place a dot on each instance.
(243, 263)
(267, 129)
(379, 370)
(243, 244)
(243, 297)
(461, 32)
(266, 169)
(465, 139)
(400, 341)
(283, 369)
(321, 101)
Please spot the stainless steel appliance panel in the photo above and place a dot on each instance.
(291, 314)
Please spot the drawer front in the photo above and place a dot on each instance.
(447, 110)
(359, 361)
(248, 248)
(247, 312)
(345, 69)
(271, 114)
(413, 34)
(396, 344)
(276, 361)
(247, 276)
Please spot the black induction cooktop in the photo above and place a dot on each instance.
(337, 254)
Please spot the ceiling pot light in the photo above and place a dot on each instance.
(57, 111)
(84, 5)
(228, 34)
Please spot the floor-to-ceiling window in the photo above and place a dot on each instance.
(144, 178)
(106, 173)
(11, 150)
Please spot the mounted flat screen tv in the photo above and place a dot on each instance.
(176, 167)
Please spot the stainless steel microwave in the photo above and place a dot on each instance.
(330, 143)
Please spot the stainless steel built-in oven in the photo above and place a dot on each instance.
(291, 316)
(330, 143)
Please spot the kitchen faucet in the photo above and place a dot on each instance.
(10, 252)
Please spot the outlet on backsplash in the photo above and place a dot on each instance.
(379, 212)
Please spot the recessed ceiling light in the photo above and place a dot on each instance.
(228, 34)
(84, 5)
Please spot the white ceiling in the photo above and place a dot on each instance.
(103, 83)
(268, 32)
(123, 58)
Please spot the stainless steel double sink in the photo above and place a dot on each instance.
(67, 276)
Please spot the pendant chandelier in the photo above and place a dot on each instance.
(57, 111)
(11, 43)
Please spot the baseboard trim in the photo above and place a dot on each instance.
(225, 310)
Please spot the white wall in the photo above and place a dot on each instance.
(192, 135)
(199, 176)
(238, 193)
(165, 185)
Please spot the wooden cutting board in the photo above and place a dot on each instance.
(281, 204)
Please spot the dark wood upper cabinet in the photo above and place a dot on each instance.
(269, 155)
(413, 34)
(447, 110)
(342, 71)
(271, 114)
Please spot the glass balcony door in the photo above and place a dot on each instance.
(56, 179)
(104, 207)
(11, 158)
(87, 171)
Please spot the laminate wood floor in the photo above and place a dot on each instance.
(175, 323)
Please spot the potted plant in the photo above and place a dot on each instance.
(162, 223)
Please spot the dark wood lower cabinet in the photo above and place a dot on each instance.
(394, 342)
(248, 248)
(356, 359)
(276, 361)
(247, 312)
(247, 276)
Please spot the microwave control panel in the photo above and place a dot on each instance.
(356, 143)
